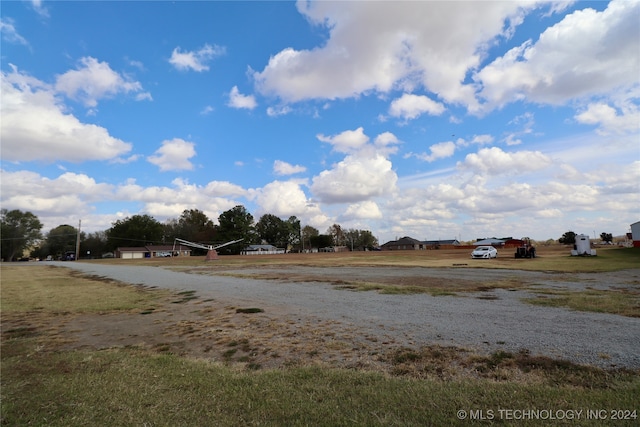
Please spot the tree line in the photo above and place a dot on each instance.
(23, 231)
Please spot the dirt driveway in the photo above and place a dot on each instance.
(307, 315)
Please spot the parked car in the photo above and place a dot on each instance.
(484, 252)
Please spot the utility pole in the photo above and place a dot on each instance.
(78, 241)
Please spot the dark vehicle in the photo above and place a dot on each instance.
(68, 256)
(527, 250)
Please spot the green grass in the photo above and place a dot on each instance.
(43, 384)
(54, 289)
(621, 302)
(132, 387)
(607, 259)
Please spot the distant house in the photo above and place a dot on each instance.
(404, 244)
(438, 243)
(635, 234)
(261, 250)
(152, 251)
(504, 242)
(411, 244)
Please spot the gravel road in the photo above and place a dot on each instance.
(502, 322)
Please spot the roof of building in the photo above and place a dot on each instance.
(406, 240)
(132, 249)
(489, 242)
(153, 248)
(442, 242)
(260, 248)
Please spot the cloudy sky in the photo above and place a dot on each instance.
(435, 120)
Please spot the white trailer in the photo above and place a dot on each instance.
(582, 247)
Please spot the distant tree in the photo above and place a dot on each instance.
(335, 231)
(18, 231)
(294, 233)
(234, 224)
(606, 237)
(273, 230)
(196, 226)
(60, 240)
(352, 238)
(368, 240)
(568, 238)
(306, 234)
(360, 239)
(93, 245)
(171, 230)
(321, 241)
(139, 230)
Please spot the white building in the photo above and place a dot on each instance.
(635, 234)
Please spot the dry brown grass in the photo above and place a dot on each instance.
(550, 258)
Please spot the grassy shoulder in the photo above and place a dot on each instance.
(45, 288)
(623, 302)
(43, 384)
(130, 387)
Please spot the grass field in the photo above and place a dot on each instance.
(555, 258)
(43, 383)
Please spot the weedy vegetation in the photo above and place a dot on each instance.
(45, 383)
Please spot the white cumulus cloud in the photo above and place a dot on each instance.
(585, 54)
(347, 141)
(174, 155)
(238, 100)
(437, 151)
(195, 60)
(494, 161)
(363, 210)
(35, 126)
(94, 80)
(284, 168)
(382, 46)
(410, 106)
(356, 178)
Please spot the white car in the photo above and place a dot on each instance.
(484, 252)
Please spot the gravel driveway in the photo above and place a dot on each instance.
(469, 321)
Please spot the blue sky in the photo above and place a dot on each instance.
(435, 120)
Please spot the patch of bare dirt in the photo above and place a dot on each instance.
(212, 330)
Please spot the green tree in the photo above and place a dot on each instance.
(139, 230)
(293, 231)
(336, 232)
(93, 245)
(195, 226)
(18, 231)
(321, 241)
(360, 239)
(61, 240)
(273, 230)
(234, 224)
(306, 234)
(568, 238)
(606, 237)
